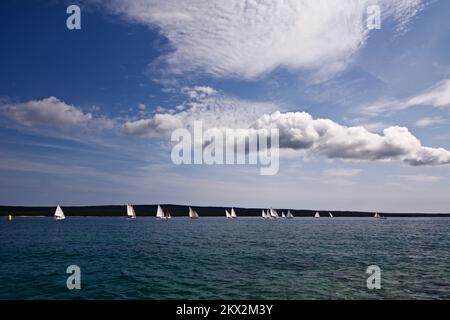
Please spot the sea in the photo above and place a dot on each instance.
(218, 258)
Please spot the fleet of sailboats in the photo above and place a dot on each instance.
(59, 214)
(164, 215)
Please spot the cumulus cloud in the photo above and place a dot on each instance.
(237, 38)
(438, 96)
(298, 132)
(324, 137)
(51, 112)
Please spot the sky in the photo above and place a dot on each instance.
(86, 115)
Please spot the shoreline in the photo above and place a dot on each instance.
(182, 210)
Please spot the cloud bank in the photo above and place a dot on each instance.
(247, 39)
(298, 131)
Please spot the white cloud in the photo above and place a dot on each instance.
(199, 92)
(52, 112)
(425, 122)
(324, 137)
(247, 39)
(437, 96)
(159, 124)
(49, 111)
(342, 173)
(204, 103)
(420, 178)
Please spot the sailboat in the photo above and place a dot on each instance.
(193, 214)
(59, 214)
(378, 216)
(227, 214)
(160, 213)
(283, 215)
(233, 214)
(317, 215)
(273, 214)
(264, 215)
(331, 215)
(289, 215)
(131, 214)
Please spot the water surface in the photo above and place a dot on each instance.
(215, 258)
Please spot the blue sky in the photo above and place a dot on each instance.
(86, 115)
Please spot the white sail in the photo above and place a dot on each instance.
(283, 215)
(59, 214)
(274, 214)
(331, 215)
(317, 215)
(193, 214)
(289, 215)
(227, 214)
(160, 213)
(130, 212)
(233, 213)
(377, 215)
(265, 214)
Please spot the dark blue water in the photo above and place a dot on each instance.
(215, 258)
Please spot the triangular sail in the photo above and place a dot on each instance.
(130, 211)
(317, 215)
(331, 215)
(59, 214)
(193, 214)
(160, 213)
(377, 215)
(274, 214)
(227, 214)
(233, 213)
(289, 215)
(283, 215)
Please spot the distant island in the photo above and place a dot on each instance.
(182, 211)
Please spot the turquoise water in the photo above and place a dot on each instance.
(215, 258)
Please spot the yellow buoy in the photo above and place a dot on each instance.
(9, 217)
